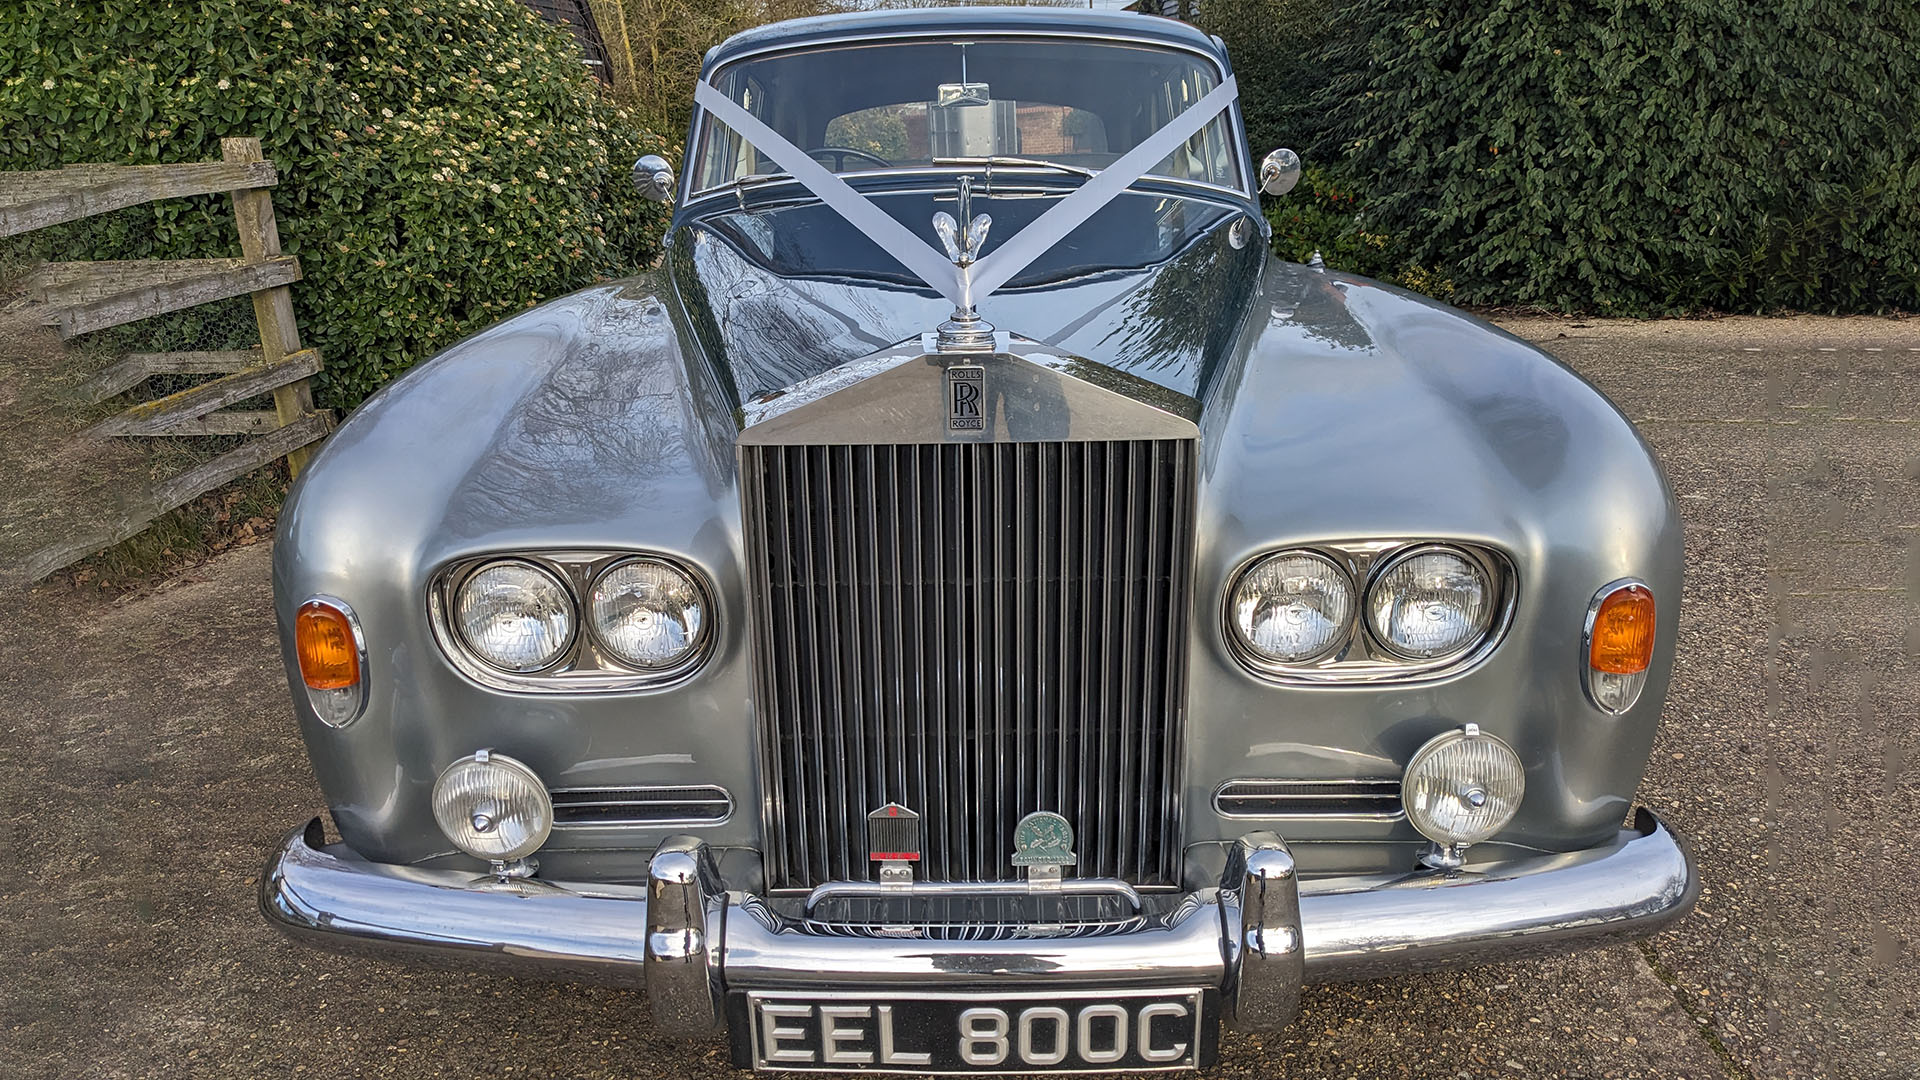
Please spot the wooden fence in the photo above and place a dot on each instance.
(86, 296)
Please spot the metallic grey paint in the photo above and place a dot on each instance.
(1344, 409)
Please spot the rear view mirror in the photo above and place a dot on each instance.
(654, 177)
(961, 93)
(1279, 171)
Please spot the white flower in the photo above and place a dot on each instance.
(223, 85)
(388, 113)
(48, 85)
(495, 188)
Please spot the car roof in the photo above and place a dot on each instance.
(973, 20)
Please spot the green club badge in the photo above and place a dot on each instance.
(1043, 838)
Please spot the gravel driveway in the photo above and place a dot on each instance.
(148, 760)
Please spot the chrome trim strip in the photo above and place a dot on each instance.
(763, 954)
(870, 890)
(1359, 927)
(941, 182)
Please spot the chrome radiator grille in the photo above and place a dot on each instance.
(974, 631)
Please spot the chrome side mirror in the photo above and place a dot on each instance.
(1279, 171)
(654, 177)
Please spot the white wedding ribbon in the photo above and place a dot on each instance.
(894, 238)
(1018, 252)
(1066, 215)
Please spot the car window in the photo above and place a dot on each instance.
(901, 134)
(861, 108)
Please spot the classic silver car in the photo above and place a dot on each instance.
(973, 609)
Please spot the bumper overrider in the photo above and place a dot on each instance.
(702, 951)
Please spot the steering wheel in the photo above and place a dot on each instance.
(841, 153)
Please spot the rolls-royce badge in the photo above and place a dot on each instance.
(966, 397)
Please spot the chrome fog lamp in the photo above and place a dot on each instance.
(648, 614)
(493, 807)
(514, 615)
(1461, 788)
(1430, 602)
(1292, 607)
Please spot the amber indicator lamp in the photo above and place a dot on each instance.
(1623, 632)
(329, 657)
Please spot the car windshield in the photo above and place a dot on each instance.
(861, 108)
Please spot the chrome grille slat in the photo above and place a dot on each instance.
(975, 631)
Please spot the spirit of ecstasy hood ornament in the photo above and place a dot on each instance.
(964, 331)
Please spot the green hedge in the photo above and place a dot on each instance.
(1281, 52)
(443, 162)
(1620, 156)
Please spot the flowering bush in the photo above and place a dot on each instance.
(443, 162)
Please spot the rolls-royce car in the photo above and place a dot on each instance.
(971, 607)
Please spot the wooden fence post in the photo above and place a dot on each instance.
(272, 308)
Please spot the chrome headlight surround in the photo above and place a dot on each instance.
(1362, 658)
(586, 666)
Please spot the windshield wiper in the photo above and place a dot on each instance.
(1015, 162)
(753, 179)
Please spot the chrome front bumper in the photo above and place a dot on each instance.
(1256, 939)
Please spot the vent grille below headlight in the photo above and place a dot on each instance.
(692, 805)
(1309, 798)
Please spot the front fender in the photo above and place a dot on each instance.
(579, 424)
(1355, 410)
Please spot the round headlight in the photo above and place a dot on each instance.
(514, 615)
(1430, 602)
(1292, 607)
(648, 614)
(1462, 787)
(492, 807)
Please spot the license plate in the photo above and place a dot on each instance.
(1025, 1032)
